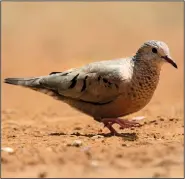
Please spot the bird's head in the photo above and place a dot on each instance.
(155, 51)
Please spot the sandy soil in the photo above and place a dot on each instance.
(42, 131)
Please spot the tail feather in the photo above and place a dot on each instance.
(34, 84)
(27, 82)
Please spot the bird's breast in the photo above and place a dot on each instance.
(136, 96)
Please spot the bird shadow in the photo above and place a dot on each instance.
(126, 136)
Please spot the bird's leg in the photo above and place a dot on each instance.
(108, 122)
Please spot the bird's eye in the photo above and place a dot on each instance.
(154, 50)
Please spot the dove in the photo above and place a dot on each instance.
(109, 89)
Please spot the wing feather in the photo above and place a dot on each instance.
(96, 82)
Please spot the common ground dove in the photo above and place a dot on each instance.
(108, 89)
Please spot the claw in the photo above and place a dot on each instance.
(108, 122)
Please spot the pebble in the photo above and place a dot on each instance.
(42, 175)
(124, 145)
(97, 137)
(138, 118)
(76, 143)
(77, 128)
(94, 163)
(7, 149)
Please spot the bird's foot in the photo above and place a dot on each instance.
(108, 122)
(128, 124)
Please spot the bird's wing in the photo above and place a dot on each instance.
(96, 82)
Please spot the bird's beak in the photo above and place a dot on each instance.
(169, 60)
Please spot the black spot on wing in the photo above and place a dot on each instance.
(74, 80)
(105, 80)
(84, 84)
(64, 74)
(52, 73)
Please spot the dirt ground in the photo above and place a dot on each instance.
(38, 38)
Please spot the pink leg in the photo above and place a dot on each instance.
(109, 126)
(108, 122)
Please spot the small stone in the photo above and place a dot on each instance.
(161, 119)
(7, 149)
(171, 119)
(97, 137)
(94, 163)
(42, 175)
(138, 118)
(77, 143)
(77, 128)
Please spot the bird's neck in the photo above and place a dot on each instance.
(146, 75)
(145, 65)
(148, 72)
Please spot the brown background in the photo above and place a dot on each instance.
(41, 37)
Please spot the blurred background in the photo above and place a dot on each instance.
(41, 37)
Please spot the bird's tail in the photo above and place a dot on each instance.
(26, 82)
(36, 84)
